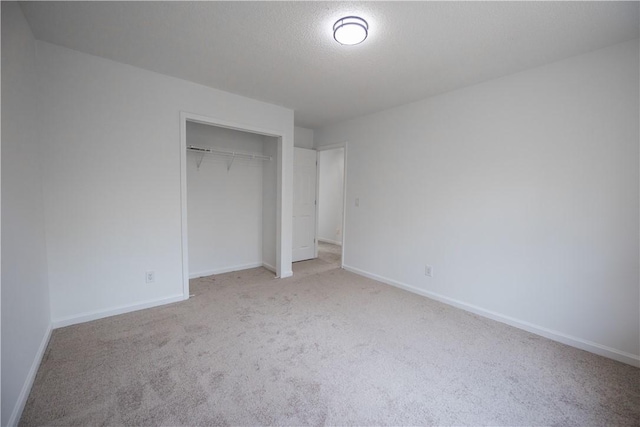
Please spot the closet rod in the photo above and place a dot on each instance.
(228, 153)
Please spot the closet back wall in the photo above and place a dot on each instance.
(224, 207)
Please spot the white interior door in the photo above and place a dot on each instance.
(304, 203)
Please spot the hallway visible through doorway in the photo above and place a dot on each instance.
(330, 253)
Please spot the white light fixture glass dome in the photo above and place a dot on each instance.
(350, 30)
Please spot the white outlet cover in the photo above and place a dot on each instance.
(150, 276)
(428, 270)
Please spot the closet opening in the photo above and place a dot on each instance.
(230, 183)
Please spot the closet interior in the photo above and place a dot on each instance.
(231, 199)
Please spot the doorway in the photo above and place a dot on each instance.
(244, 219)
(331, 204)
(231, 208)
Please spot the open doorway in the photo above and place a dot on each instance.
(231, 181)
(330, 217)
(231, 198)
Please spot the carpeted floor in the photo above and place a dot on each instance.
(323, 347)
(330, 253)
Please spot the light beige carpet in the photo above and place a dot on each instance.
(324, 347)
(330, 253)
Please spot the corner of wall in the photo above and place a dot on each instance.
(26, 296)
(303, 138)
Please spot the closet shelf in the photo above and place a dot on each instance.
(231, 154)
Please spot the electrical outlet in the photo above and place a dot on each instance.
(428, 270)
(357, 201)
(150, 276)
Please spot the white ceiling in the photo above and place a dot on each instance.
(284, 53)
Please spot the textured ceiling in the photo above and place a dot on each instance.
(283, 52)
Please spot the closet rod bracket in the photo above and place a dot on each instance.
(230, 162)
(199, 160)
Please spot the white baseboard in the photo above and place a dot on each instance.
(286, 274)
(100, 314)
(563, 338)
(236, 268)
(225, 270)
(269, 267)
(31, 376)
(333, 242)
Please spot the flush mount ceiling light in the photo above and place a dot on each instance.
(350, 30)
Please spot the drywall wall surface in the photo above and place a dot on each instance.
(224, 201)
(303, 137)
(269, 205)
(330, 195)
(25, 291)
(521, 192)
(112, 178)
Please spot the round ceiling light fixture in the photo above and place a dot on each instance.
(350, 30)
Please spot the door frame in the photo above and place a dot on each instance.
(344, 145)
(213, 121)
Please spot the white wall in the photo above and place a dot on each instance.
(112, 179)
(330, 195)
(522, 192)
(303, 138)
(224, 206)
(25, 293)
(269, 196)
